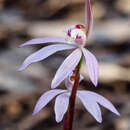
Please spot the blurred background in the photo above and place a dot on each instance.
(21, 20)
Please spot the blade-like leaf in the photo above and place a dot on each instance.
(92, 66)
(66, 67)
(43, 40)
(46, 98)
(44, 53)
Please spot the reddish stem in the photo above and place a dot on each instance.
(68, 122)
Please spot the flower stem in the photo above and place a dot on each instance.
(68, 122)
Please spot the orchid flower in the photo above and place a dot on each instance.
(89, 99)
(76, 38)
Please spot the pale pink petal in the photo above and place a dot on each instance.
(43, 40)
(70, 83)
(102, 101)
(44, 53)
(91, 106)
(61, 106)
(88, 17)
(81, 77)
(92, 66)
(66, 67)
(46, 98)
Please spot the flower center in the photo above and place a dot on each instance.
(77, 35)
(69, 81)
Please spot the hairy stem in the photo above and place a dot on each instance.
(68, 122)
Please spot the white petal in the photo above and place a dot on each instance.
(103, 101)
(66, 67)
(46, 98)
(43, 40)
(44, 53)
(92, 66)
(88, 17)
(91, 106)
(70, 83)
(81, 77)
(61, 106)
